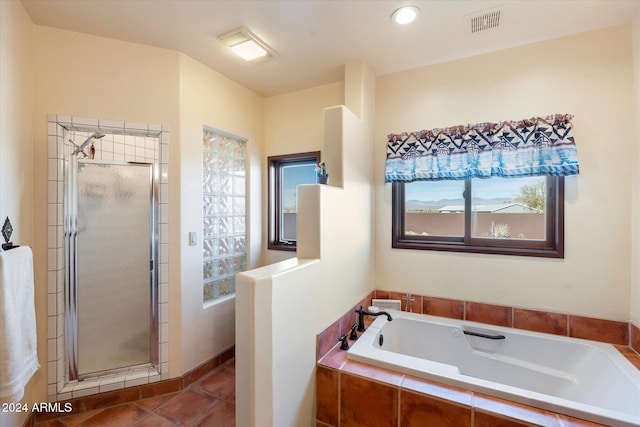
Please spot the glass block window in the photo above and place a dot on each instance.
(224, 241)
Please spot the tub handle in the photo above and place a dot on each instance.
(481, 335)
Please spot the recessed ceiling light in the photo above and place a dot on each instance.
(247, 45)
(405, 15)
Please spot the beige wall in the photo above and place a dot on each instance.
(208, 98)
(93, 77)
(588, 75)
(17, 43)
(635, 213)
(293, 123)
(16, 109)
(86, 76)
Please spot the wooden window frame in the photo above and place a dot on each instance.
(551, 247)
(274, 164)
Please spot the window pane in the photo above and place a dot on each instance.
(434, 208)
(224, 213)
(292, 175)
(512, 208)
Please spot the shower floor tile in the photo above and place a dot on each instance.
(208, 402)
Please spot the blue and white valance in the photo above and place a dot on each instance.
(536, 146)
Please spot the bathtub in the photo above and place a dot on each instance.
(580, 378)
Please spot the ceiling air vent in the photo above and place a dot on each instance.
(483, 21)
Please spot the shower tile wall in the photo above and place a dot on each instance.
(123, 141)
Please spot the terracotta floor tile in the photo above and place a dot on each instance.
(186, 407)
(118, 416)
(153, 420)
(230, 366)
(221, 415)
(220, 384)
(74, 420)
(112, 398)
(51, 423)
(155, 402)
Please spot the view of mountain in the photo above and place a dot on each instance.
(425, 205)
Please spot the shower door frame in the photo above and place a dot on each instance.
(71, 274)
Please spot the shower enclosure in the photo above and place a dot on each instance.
(110, 251)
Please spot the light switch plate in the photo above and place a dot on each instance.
(193, 238)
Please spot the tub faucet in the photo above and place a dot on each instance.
(361, 313)
(354, 335)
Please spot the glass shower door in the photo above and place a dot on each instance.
(114, 266)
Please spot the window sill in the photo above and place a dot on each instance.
(281, 247)
(461, 247)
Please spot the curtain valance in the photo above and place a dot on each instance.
(535, 146)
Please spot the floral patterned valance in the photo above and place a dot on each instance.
(536, 146)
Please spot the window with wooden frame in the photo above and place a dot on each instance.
(515, 216)
(286, 172)
(491, 187)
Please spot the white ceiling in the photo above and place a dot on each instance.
(314, 38)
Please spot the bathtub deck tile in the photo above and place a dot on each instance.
(590, 328)
(327, 385)
(373, 373)
(326, 339)
(492, 314)
(335, 358)
(443, 307)
(634, 339)
(483, 419)
(540, 321)
(348, 319)
(453, 394)
(566, 421)
(367, 403)
(417, 410)
(634, 359)
(515, 411)
(381, 294)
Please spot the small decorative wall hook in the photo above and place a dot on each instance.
(7, 231)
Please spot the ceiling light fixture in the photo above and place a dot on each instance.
(247, 45)
(405, 15)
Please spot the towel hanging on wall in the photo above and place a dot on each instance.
(18, 343)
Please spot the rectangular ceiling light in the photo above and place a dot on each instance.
(247, 45)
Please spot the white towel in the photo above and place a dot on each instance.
(18, 344)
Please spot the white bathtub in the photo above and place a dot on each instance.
(580, 378)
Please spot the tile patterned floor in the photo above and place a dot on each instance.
(209, 402)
